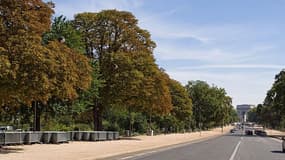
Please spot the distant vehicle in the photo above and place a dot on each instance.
(260, 132)
(249, 132)
(233, 130)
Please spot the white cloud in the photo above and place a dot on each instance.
(215, 55)
(160, 26)
(212, 55)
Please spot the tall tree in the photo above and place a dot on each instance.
(273, 110)
(202, 111)
(21, 25)
(126, 63)
(34, 73)
(211, 105)
(182, 104)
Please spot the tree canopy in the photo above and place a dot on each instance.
(34, 72)
(96, 67)
(272, 112)
(126, 63)
(211, 105)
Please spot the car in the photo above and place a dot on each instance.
(260, 132)
(233, 130)
(249, 132)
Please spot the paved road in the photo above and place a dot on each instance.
(228, 147)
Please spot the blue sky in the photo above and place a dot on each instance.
(234, 44)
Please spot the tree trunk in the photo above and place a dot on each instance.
(100, 123)
(97, 117)
(130, 122)
(37, 116)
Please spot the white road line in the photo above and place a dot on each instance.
(128, 157)
(167, 148)
(277, 140)
(235, 151)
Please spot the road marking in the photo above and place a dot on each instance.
(169, 148)
(235, 151)
(128, 157)
(277, 140)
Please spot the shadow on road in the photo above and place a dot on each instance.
(6, 150)
(280, 152)
(243, 135)
(130, 138)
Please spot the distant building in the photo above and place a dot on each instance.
(242, 111)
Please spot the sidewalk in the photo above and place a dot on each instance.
(274, 132)
(101, 149)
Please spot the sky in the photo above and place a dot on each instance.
(234, 44)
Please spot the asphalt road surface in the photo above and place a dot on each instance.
(234, 146)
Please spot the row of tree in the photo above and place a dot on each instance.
(97, 70)
(272, 112)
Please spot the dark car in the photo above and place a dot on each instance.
(249, 132)
(233, 130)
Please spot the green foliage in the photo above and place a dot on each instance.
(126, 64)
(62, 28)
(272, 112)
(252, 115)
(211, 105)
(181, 114)
(119, 119)
(233, 116)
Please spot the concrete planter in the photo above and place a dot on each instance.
(116, 135)
(46, 137)
(77, 135)
(102, 135)
(59, 137)
(11, 138)
(110, 135)
(94, 136)
(71, 135)
(32, 137)
(86, 136)
(2, 138)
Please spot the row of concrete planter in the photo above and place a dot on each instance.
(93, 135)
(54, 137)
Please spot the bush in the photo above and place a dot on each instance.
(82, 127)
